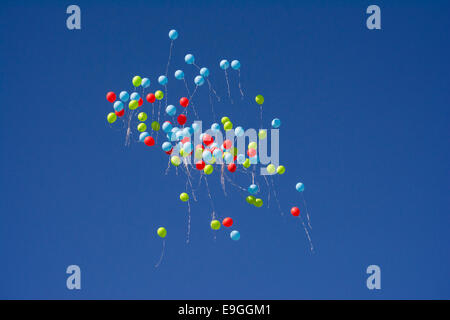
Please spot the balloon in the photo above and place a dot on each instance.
(166, 146)
(224, 64)
(239, 131)
(215, 127)
(276, 123)
(235, 64)
(155, 126)
(246, 163)
(195, 126)
(142, 127)
(181, 119)
(235, 235)
(253, 189)
(142, 116)
(224, 119)
(262, 134)
(281, 169)
(143, 135)
(112, 117)
(149, 141)
(173, 34)
(271, 169)
(258, 202)
(227, 222)
(167, 126)
(253, 145)
(204, 72)
(259, 99)
(228, 126)
(232, 167)
(137, 81)
(145, 83)
(295, 211)
(120, 113)
(111, 96)
(228, 157)
(240, 158)
(199, 80)
(184, 197)
(163, 80)
(251, 152)
(140, 102)
(208, 169)
(162, 232)
(133, 104)
(207, 139)
(250, 199)
(118, 106)
(300, 187)
(151, 98)
(189, 58)
(184, 102)
(175, 160)
(200, 165)
(254, 160)
(171, 110)
(215, 225)
(179, 75)
(135, 96)
(124, 96)
(159, 94)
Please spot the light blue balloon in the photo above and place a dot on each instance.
(239, 131)
(167, 126)
(145, 83)
(204, 72)
(213, 145)
(143, 135)
(162, 80)
(179, 75)
(228, 158)
(171, 136)
(118, 106)
(240, 158)
(187, 147)
(235, 64)
(173, 34)
(215, 127)
(224, 64)
(217, 153)
(235, 235)
(166, 146)
(253, 189)
(199, 80)
(179, 135)
(195, 126)
(276, 123)
(189, 130)
(189, 58)
(300, 187)
(206, 155)
(135, 96)
(124, 96)
(171, 110)
(254, 160)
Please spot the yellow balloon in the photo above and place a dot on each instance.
(224, 120)
(215, 224)
(262, 134)
(133, 104)
(175, 160)
(253, 145)
(228, 125)
(137, 81)
(112, 117)
(159, 95)
(142, 116)
(208, 169)
(281, 169)
(162, 232)
(259, 99)
(246, 163)
(142, 127)
(271, 169)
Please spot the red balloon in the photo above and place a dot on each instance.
(181, 119)
(227, 144)
(140, 102)
(227, 222)
(169, 152)
(200, 146)
(295, 211)
(151, 98)
(185, 139)
(200, 165)
(120, 113)
(111, 96)
(184, 102)
(251, 152)
(232, 167)
(207, 139)
(149, 141)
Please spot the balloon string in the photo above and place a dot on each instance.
(307, 213)
(222, 180)
(228, 86)
(162, 253)
(189, 94)
(128, 135)
(268, 194)
(240, 88)
(261, 120)
(276, 196)
(213, 214)
(170, 55)
(193, 93)
(311, 247)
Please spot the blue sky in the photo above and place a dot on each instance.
(364, 126)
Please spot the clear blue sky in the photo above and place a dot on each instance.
(364, 125)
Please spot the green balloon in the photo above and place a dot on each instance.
(162, 232)
(246, 163)
(208, 169)
(262, 134)
(112, 117)
(175, 160)
(224, 120)
(137, 81)
(251, 199)
(155, 126)
(133, 104)
(271, 169)
(228, 125)
(142, 116)
(142, 127)
(253, 145)
(258, 203)
(215, 225)
(184, 197)
(259, 99)
(159, 95)
(281, 169)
